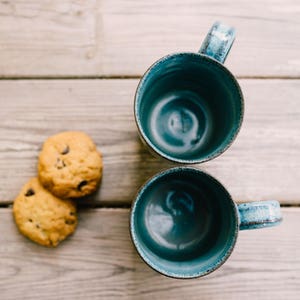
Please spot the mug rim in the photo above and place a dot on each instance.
(133, 235)
(151, 145)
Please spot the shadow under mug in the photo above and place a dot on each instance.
(184, 223)
(188, 106)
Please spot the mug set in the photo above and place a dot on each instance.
(189, 109)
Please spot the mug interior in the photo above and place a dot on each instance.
(188, 107)
(184, 223)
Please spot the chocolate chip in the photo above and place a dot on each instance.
(30, 192)
(66, 150)
(72, 213)
(37, 226)
(69, 222)
(30, 220)
(60, 163)
(81, 185)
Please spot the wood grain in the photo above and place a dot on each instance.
(100, 262)
(115, 38)
(263, 163)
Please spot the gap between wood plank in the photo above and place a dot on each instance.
(116, 205)
(129, 77)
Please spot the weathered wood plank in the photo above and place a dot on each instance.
(104, 37)
(263, 163)
(100, 262)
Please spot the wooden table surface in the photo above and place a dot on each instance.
(75, 65)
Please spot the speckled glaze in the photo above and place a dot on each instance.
(259, 214)
(218, 41)
(188, 107)
(184, 223)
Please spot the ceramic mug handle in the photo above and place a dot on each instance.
(218, 42)
(259, 214)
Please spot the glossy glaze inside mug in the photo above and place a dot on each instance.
(188, 107)
(184, 223)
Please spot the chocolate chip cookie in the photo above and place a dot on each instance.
(42, 217)
(70, 165)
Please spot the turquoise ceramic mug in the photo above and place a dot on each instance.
(184, 223)
(188, 106)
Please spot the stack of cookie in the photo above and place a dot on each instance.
(69, 167)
